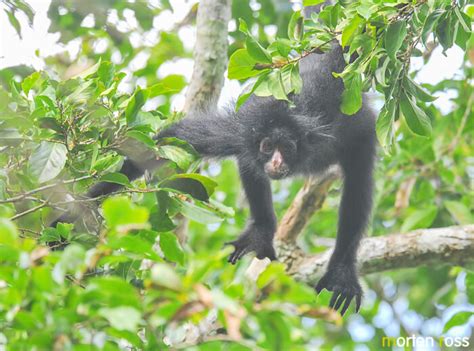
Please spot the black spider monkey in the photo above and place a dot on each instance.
(270, 140)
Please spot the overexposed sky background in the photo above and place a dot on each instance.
(36, 39)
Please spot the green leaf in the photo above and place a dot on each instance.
(30, 81)
(445, 31)
(135, 104)
(417, 120)
(417, 91)
(164, 275)
(462, 37)
(380, 73)
(89, 71)
(254, 48)
(208, 184)
(422, 218)
(106, 73)
(282, 46)
(460, 212)
(295, 27)
(464, 19)
(122, 318)
(120, 211)
(171, 248)
(176, 154)
(14, 22)
(10, 136)
(249, 90)
(62, 231)
(459, 318)
(257, 51)
(48, 160)
(351, 30)
(384, 124)
(170, 84)
(197, 212)
(291, 79)
(8, 233)
(276, 86)
(141, 247)
(429, 24)
(352, 95)
(117, 178)
(80, 91)
(394, 37)
(27, 10)
(312, 2)
(141, 137)
(330, 15)
(241, 65)
(463, 29)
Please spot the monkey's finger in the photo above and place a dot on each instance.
(358, 302)
(346, 305)
(242, 253)
(232, 256)
(339, 302)
(334, 297)
(320, 286)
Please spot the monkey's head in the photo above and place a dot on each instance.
(278, 152)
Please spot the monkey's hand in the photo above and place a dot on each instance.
(255, 238)
(342, 280)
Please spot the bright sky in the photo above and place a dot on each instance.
(15, 51)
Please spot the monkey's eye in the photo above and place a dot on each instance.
(266, 146)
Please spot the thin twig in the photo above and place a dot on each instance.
(33, 209)
(42, 188)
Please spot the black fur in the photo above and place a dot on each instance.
(323, 136)
(311, 137)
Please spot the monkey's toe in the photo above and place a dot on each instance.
(244, 245)
(343, 283)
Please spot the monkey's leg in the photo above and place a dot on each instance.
(356, 203)
(258, 236)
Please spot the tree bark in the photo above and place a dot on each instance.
(210, 55)
(434, 247)
(309, 199)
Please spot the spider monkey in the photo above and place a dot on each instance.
(271, 140)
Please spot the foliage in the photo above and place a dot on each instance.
(384, 36)
(123, 280)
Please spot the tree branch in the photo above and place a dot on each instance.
(438, 246)
(210, 55)
(309, 199)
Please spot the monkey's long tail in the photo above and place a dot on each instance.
(129, 168)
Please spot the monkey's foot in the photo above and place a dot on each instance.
(252, 242)
(342, 281)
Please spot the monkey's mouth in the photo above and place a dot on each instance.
(277, 174)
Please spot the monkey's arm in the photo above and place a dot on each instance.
(341, 277)
(258, 236)
(213, 134)
(217, 134)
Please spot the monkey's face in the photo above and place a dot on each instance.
(277, 151)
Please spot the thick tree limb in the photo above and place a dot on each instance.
(309, 199)
(438, 246)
